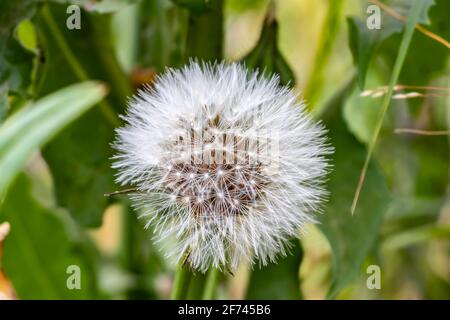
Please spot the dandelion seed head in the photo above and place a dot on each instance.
(229, 165)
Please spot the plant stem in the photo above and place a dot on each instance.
(404, 45)
(208, 25)
(196, 286)
(211, 284)
(181, 283)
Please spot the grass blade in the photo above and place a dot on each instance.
(404, 45)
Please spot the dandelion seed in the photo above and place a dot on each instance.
(230, 202)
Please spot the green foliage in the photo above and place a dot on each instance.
(15, 69)
(351, 237)
(162, 34)
(277, 281)
(429, 58)
(15, 60)
(330, 31)
(40, 249)
(364, 41)
(139, 256)
(412, 170)
(12, 12)
(416, 235)
(33, 126)
(361, 113)
(267, 57)
(403, 207)
(80, 163)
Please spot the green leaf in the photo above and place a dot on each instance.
(360, 112)
(414, 208)
(351, 237)
(35, 125)
(139, 255)
(277, 280)
(429, 58)
(416, 235)
(125, 36)
(12, 12)
(171, 34)
(39, 249)
(413, 172)
(267, 57)
(162, 34)
(16, 62)
(417, 175)
(4, 103)
(403, 7)
(364, 41)
(399, 61)
(79, 157)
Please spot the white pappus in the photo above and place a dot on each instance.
(226, 163)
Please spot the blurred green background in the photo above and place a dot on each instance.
(55, 135)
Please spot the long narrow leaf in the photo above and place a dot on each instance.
(404, 45)
(36, 124)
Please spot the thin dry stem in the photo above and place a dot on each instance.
(422, 132)
(390, 11)
(118, 192)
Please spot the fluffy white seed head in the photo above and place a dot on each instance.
(227, 163)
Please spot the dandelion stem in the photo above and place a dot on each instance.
(404, 45)
(211, 284)
(181, 283)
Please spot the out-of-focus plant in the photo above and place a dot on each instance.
(389, 108)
